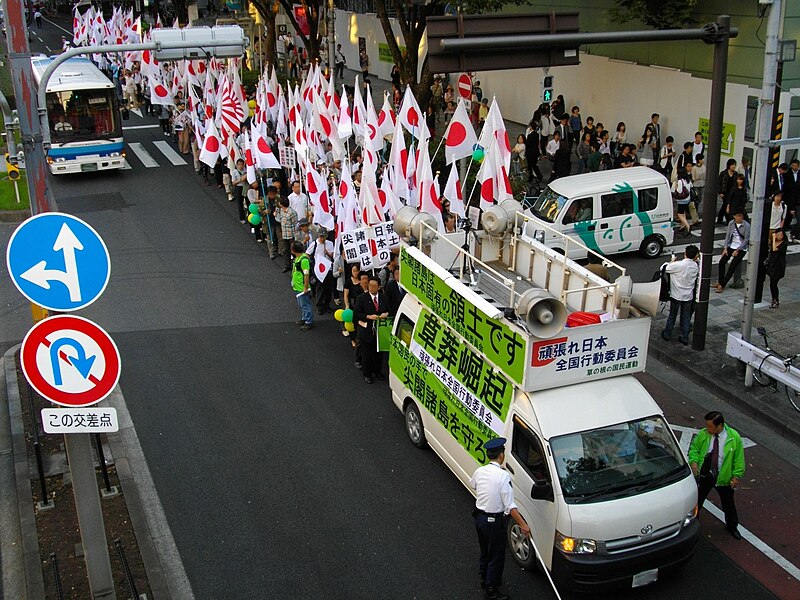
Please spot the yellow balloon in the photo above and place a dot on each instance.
(350, 326)
(338, 315)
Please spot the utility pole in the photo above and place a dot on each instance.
(30, 131)
(717, 113)
(765, 115)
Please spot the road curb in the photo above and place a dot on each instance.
(21, 561)
(730, 394)
(162, 561)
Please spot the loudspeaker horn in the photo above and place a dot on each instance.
(402, 220)
(499, 218)
(643, 296)
(545, 315)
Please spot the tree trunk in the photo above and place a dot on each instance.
(268, 10)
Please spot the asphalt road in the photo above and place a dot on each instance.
(281, 472)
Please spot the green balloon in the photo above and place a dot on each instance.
(253, 208)
(255, 219)
(477, 154)
(347, 315)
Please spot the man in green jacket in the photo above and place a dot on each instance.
(717, 460)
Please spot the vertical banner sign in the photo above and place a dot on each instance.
(494, 340)
(454, 383)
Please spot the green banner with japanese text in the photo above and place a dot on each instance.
(492, 338)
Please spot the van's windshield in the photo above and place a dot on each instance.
(620, 460)
(548, 205)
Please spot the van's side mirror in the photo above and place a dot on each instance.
(542, 490)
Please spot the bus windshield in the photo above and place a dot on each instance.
(548, 205)
(620, 460)
(82, 115)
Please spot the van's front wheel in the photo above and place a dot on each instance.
(414, 426)
(521, 547)
(652, 246)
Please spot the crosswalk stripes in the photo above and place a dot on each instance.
(143, 155)
(166, 150)
(146, 157)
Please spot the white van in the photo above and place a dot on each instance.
(597, 472)
(620, 210)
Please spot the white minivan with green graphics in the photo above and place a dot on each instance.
(620, 210)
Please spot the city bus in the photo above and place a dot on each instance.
(84, 118)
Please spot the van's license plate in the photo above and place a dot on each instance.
(645, 577)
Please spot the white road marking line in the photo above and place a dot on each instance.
(758, 544)
(140, 127)
(167, 150)
(61, 28)
(143, 155)
(137, 112)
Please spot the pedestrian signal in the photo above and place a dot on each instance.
(12, 170)
(547, 88)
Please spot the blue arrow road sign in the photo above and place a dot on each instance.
(58, 261)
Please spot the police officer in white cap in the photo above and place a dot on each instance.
(494, 502)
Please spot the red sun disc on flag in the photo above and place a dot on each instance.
(263, 146)
(487, 190)
(413, 117)
(322, 267)
(160, 91)
(434, 197)
(382, 198)
(270, 99)
(201, 67)
(248, 157)
(343, 189)
(323, 200)
(212, 144)
(457, 134)
(381, 117)
(312, 186)
(326, 125)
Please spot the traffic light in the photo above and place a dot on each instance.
(547, 88)
(13, 170)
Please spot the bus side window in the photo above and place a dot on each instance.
(404, 330)
(528, 450)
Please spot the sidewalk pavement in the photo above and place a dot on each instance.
(717, 372)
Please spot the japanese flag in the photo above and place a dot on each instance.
(452, 191)
(345, 125)
(160, 92)
(211, 145)
(427, 188)
(322, 266)
(412, 118)
(386, 120)
(318, 195)
(265, 157)
(460, 136)
(494, 133)
(488, 183)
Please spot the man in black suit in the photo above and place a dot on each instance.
(394, 293)
(369, 308)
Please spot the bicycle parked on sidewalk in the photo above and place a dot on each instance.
(788, 364)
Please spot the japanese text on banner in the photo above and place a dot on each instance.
(439, 401)
(470, 378)
(495, 340)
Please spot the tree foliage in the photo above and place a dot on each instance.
(411, 18)
(268, 9)
(659, 14)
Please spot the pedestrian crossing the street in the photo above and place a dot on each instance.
(152, 155)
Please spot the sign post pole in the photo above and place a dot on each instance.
(90, 515)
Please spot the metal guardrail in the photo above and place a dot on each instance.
(760, 359)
